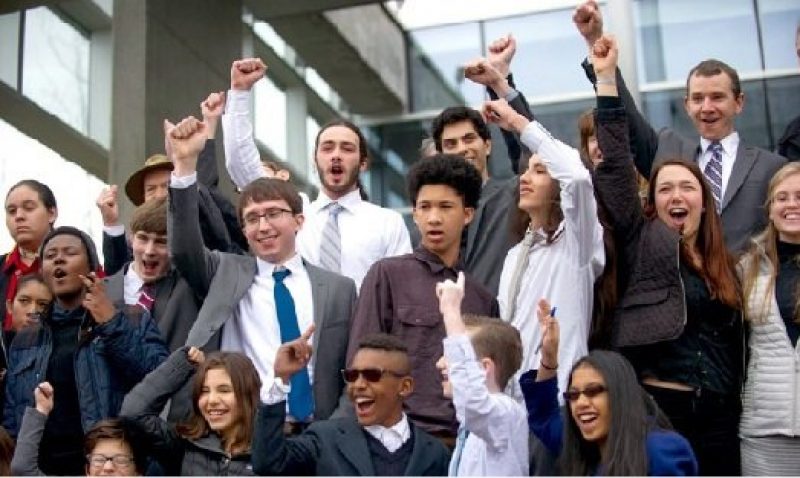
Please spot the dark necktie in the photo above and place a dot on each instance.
(147, 297)
(713, 172)
(300, 400)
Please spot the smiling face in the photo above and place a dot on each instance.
(712, 105)
(339, 160)
(272, 240)
(679, 200)
(27, 218)
(536, 188)
(108, 448)
(217, 402)
(462, 138)
(592, 415)
(33, 298)
(381, 402)
(150, 255)
(784, 209)
(64, 259)
(440, 215)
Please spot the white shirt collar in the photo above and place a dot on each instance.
(392, 437)
(348, 201)
(133, 279)
(729, 143)
(266, 268)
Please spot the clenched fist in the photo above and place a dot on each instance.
(245, 72)
(185, 139)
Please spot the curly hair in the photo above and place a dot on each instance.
(457, 114)
(448, 170)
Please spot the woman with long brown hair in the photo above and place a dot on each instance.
(216, 438)
(770, 273)
(678, 320)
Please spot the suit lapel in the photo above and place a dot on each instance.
(418, 463)
(115, 286)
(745, 160)
(489, 189)
(319, 294)
(353, 446)
(164, 288)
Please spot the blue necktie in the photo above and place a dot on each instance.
(713, 172)
(300, 400)
(455, 461)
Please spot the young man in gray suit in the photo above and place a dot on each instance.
(738, 174)
(262, 300)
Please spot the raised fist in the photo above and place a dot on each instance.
(195, 355)
(245, 72)
(503, 115)
(212, 108)
(43, 396)
(550, 333)
(589, 21)
(501, 51)
(450, 294)
(481, 71)
(185, 140)
(109, 208)
(604, 57)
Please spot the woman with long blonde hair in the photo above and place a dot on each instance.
(770, 274)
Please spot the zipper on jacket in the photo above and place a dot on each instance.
(683, 289)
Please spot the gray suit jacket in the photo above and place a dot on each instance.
(743, 213)
(223, 279)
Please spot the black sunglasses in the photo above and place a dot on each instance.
(350, 375)
(591, 391)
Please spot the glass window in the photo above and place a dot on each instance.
(449, 48)
(22, 157)
(784, 103)
(270, 116)
(55, 71)
(9, 48)
(779, 20)
(549, 52)
(674, 35)
(665, 109)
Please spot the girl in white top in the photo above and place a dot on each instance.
(561, 252)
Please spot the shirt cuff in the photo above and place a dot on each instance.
(511, 95)
(114, 231)
(458, 348)
(277, 392)
(182, 182)
(238, 101)
(533, 135)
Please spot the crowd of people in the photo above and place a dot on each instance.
(628, 307)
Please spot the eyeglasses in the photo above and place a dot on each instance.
(271, 215)
(350, 375)
(99, 460)
(590, 391)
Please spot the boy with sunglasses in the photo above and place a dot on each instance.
(378, 441)
(481, 355)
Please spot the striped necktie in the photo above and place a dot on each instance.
(713, 172)
(330, 250)
(147, 297)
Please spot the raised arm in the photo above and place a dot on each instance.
(116, 251)
(26, 454)
(481, 412)
(241, 154)
(643, 139)
(584, 232)
(540, 388)
(144, 403)
(195, 263)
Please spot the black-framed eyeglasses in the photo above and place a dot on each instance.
(590, 391)
(99, 460)
(350, 375)
(271, 215)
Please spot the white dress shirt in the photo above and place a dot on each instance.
(497, 444)
(393, 437)
(132, 286)
(563, 272)
(254, 329)
(368, 232)
(730, 145)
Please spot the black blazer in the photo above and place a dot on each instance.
(335, 447)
